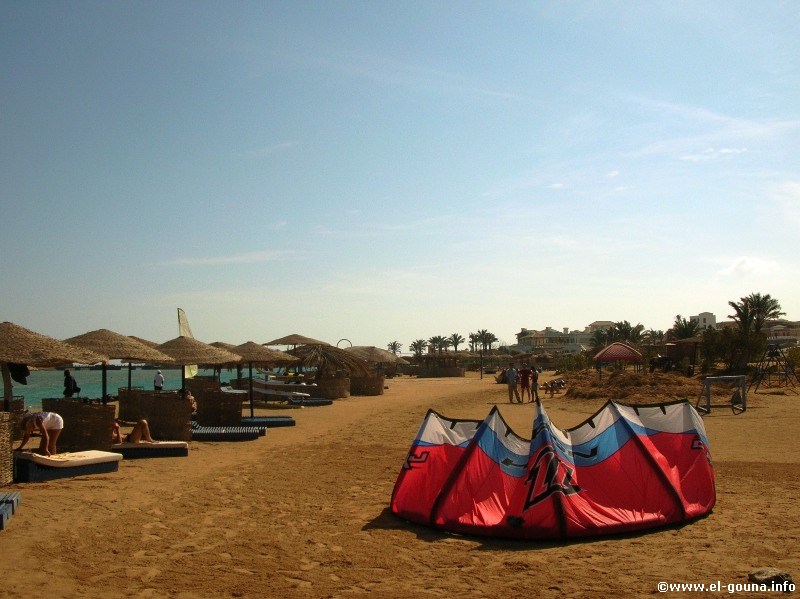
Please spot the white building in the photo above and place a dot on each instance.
(705, 320)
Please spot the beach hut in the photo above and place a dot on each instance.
(253, 353)
(19, 345)
(118, 347)
(334, 367)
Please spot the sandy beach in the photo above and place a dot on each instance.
(303, 512)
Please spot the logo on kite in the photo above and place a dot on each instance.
(697, 443)
(415, 459)
(548, 475)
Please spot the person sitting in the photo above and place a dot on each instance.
(50, 426)
(191, 401)
(140, 433)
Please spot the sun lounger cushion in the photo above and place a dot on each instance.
(159, 449)
(310, 402)
(33, 467)
(268, 421)
(9, 504)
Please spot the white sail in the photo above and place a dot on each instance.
(185, 331)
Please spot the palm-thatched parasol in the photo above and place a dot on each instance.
(151, 344)
(19, 345)
(375, 355)
(187, 350)
(617, 352)
(295, 340)
(118, 347)
(227, 347)
(329, 359)
(253, 353)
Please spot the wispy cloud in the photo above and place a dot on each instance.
(556, 186)
(249, 258)
(713, 154)
(745, 266)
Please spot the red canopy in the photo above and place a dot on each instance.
(618, 351)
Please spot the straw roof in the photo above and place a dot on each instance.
(295, 339)
(328, 359)
(186, 350)
(150, 344)
(258, 354)
(618, 352)
(119, 347)
(23, 346)
(375, 355)
(222, 345)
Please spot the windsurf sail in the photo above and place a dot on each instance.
(626, 468)
(184, 330)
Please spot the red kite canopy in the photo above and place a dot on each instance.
(618, 352)
(626, 468)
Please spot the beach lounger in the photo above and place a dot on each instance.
(9, 504)
(33, 467)
(226, 433)
(159, 449)
(310, 401)
(268, 421)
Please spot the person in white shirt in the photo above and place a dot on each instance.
(50, 426)
(158, 381)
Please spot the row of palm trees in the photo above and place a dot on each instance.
(482, 340)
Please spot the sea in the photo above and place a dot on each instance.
(50, 383)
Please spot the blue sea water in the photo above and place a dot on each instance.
(50, 383)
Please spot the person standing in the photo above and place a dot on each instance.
(158, 381)
(70, 385)
(535, 384)
(511, 381)
(525, 375)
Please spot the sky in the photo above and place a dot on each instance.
(391, 171)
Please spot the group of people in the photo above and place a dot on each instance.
(526, 380)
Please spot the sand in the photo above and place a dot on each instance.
(303, 512)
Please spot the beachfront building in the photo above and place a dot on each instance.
(782, 332)
(704, 320)
(564, 341)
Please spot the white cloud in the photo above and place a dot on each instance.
(556, 186)
(745, 266)
(713, 154)
(612, 174)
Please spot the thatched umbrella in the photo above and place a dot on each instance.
(151, 344)
(374, 355)
(253, 353)
(19, 345)
(187, 350)
(227, 347)
(295, 340)
(328, 359)
(118, 347)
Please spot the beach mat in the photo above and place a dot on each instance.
(226, 433)
(159, 449)
(268, 421)
(33, 467)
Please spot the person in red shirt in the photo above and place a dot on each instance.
(525, 375)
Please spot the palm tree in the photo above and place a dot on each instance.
(764, 308)
(473, 342)
(394, 347)
(743, 316)
(455, 340)
(418, 347)
(653, 337)
(600, 338)
(438, 343)
(486, 339)
(683, 329)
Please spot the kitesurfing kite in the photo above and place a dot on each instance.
(626, 468)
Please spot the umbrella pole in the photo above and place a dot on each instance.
(252, 407)
(105, 381)
(8, 392)
(130, 369)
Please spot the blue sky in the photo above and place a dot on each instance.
(382, 171)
